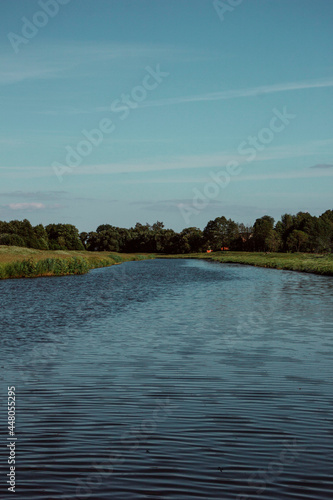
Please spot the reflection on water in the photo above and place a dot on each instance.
(170, 379)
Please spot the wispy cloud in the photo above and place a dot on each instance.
(10, 142)
(20, 208)
(322, 165)
(246, 176)
(215, 160)
(26, 206)
(36, 195)
(245, 92)
(181, 162)
(71, 59)
(209, 96)
(295, 174)
(173, 206)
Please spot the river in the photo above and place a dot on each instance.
(170, 379)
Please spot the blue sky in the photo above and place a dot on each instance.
(226, 71)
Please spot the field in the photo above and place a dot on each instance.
(18, 262)
(303, 262)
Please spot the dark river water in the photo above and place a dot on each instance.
(169, 379)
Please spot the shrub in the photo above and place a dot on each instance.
(12, 240)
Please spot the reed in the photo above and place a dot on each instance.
(302, 262)
(18, 262)
(48, 267)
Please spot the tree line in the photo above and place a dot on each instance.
(293, 233)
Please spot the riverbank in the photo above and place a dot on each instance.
(301, 262)
(18, 262)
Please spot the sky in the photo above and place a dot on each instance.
(125, 111)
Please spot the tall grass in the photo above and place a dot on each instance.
(27, 263)
(302, 262)
(118, 258)
(47, 267)
(36, 266)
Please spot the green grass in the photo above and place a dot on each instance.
(18, 262)
(302, 262)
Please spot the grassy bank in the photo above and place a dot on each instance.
(18, 262)
(303, 262)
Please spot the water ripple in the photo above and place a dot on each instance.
(171, 380)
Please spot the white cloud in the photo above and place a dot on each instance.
(216, 160)
(236, 93)
(322, 165)
(26, 206)
(209, 96)
(40, 195)
(245, 176)
(182, 162)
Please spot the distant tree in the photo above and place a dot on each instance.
(297, 233)
(157, 230)
(92, 241)
(83, 237)
(12, 240)
(158, 226)
(232, 234)
(104, 227)
(106, 240)
(326, 231)
(244, 241)
(63, 237)
(181, 244)
(328, 215)
(221, 232)
(166, 241)
(303, 221)
(215, 233)
(193, 239)
(143, 238)
(297, 241)
(261, 230)
(273, 241)
(41, 237)
(284, 227)
(32, 237)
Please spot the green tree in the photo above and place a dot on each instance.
(273, 241)
(220, 232)
(41, 237)
(12, 240)
(261, 230)
(193, 239)
(326, 231)
(297, 241)
(84, 237)
(63, 237)
(284, 228)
